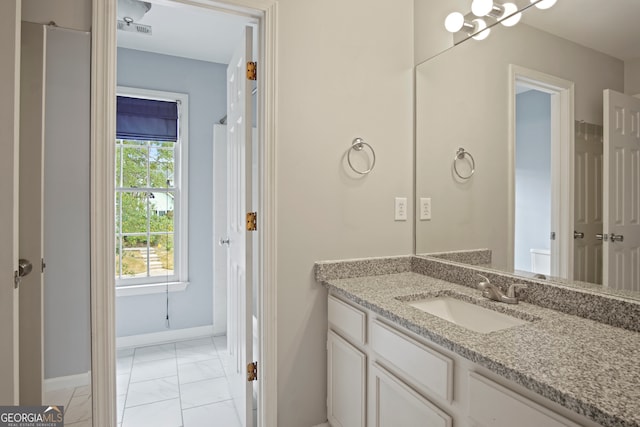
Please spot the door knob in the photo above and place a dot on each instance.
(24, 267)
(601, 236)
(223, 242)
(616, 237)
(577, 235)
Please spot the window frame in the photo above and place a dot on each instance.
(180, 279)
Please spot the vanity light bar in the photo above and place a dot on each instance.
(485, 14)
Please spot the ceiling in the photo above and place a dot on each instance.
(608, 26)
(188, 32)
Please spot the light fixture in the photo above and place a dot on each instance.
(454, 22)
(480, 29)
(506, 14)
(481, 7)
(131, 11)
(543, 4)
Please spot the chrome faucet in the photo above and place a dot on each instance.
(495, 293)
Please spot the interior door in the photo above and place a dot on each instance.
(10, 15)
(587, 251)
(621, 195)
(32, 122)
(239, 194)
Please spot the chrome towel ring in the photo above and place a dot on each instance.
(358, 144)
(461, 154)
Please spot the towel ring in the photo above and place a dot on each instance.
(358, 144)
(461, 154)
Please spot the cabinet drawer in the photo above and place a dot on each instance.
(492, 405)
(393, 403)
(419, 365)
(348, 320)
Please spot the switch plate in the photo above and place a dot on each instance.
(401, 208)
(425, 208)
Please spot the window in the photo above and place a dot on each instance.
(150, 189)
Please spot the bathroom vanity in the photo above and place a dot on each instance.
(391, 363)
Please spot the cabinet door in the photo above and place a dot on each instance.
(346, 383)
(394, 404)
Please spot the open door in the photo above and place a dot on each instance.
(239, 203)
(621, 191)
(32, 123)
(9, 136)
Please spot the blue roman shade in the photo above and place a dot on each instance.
(146, 119)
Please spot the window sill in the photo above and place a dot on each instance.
(152, 288)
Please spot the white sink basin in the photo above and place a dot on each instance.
(466, 314)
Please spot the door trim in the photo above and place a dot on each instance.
(562, 147)
(103, 91)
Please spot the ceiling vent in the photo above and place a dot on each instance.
(133, 27)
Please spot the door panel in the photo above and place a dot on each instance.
(240, 261)
(588, 202)
(9, 145)
(621, 255)
(32, 116)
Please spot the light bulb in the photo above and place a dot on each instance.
(454, 22)
(510, 9)
(481, 7)
(544, 4)
(481, 31)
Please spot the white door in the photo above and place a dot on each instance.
(239, 267)
(9, 137)
(32, 122)
(621, 195)
(587, 252)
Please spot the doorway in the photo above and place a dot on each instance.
(541, 164)
(103, 131)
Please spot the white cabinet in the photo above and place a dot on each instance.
(382, 375)
(492, 405)
(346, 383)
(392, 403)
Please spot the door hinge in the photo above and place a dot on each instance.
(252, 221)
(16, 279)
(252, 71)
(43, 265)
(252, 371)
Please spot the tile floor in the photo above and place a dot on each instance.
(176, 384)
(76, 402)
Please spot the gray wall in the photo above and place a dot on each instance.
(67, 323)
(533, 175)
(632, 77)
(205, 83)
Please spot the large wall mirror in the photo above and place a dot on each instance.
(528, 146)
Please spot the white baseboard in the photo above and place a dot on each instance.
(70, 381)
(164, 337)
(323, 425)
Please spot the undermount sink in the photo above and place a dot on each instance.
(466, 314)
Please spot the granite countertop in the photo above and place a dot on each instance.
(586, 366)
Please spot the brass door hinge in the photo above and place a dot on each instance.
(252, 71)
(252, 371)
(252, 221)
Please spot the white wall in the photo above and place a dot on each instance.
(431, 38)
(345, 70)
(632, 77)
(462, 101)
(72, 14)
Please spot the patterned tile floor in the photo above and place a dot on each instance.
(76, 402)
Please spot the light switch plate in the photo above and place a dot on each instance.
(425, 208)
(401, 208)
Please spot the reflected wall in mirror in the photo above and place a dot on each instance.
(553, 172)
